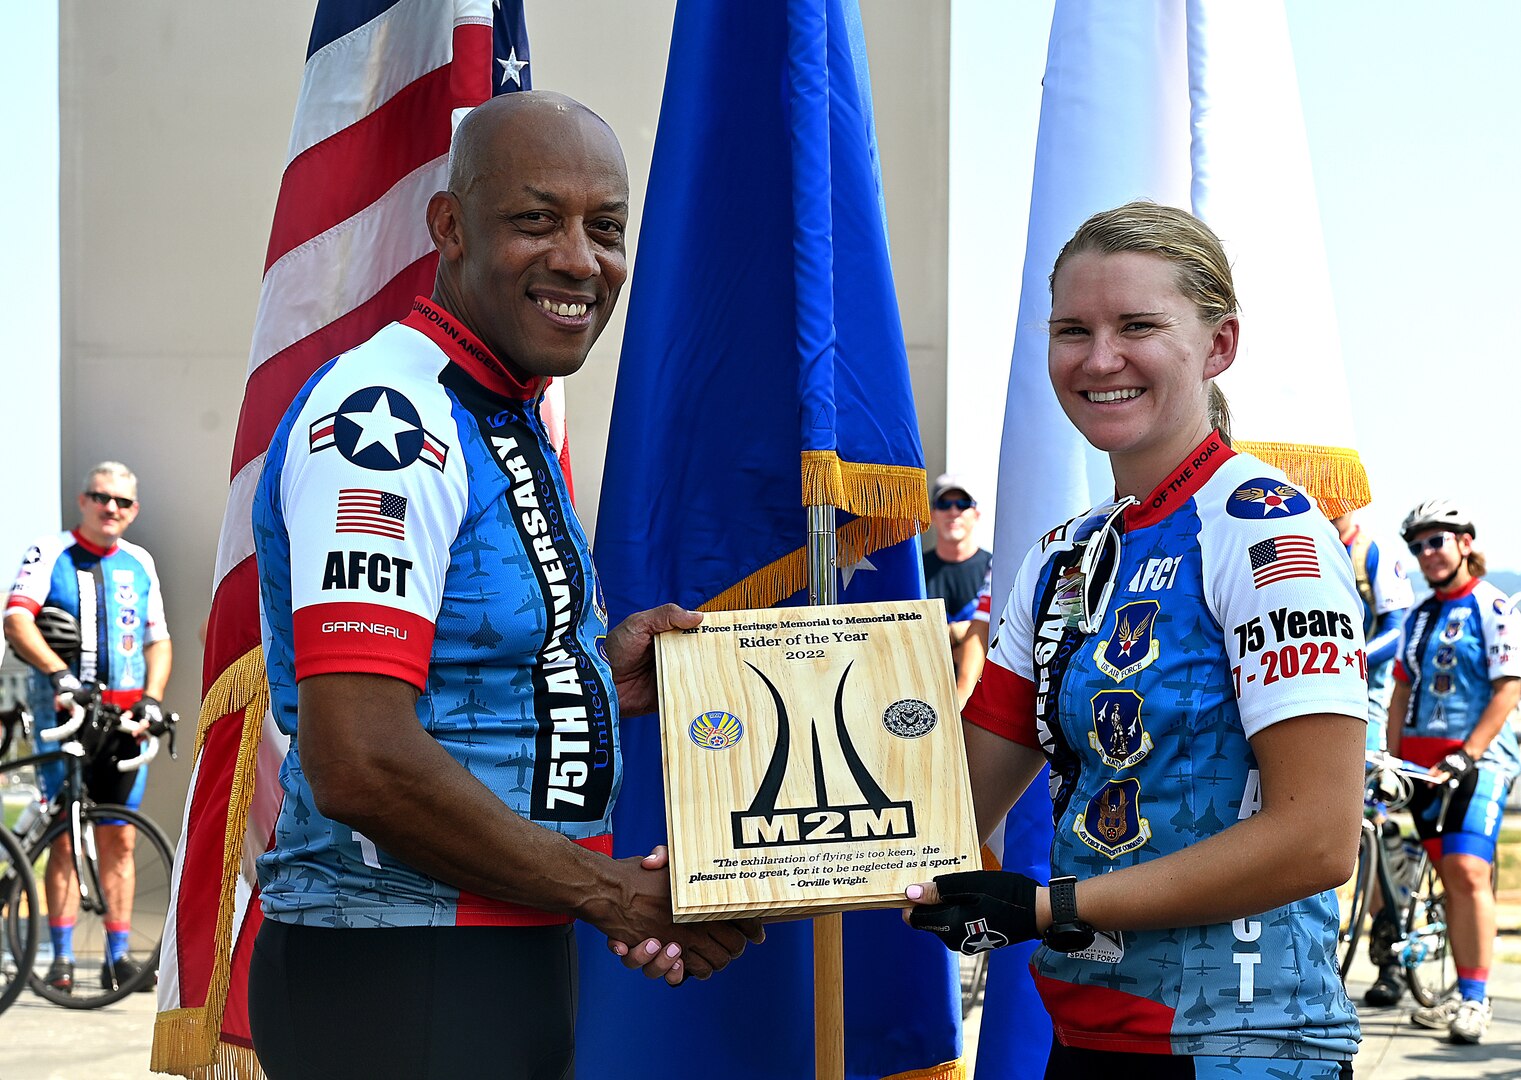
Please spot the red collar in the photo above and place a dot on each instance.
(1190, 475)
(93, 549)
(1458, 594)
(1351, 536)
(465, 349)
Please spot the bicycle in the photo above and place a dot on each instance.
(18, 901)
(72, 816)
(1411, 925)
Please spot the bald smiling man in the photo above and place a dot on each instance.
(438, 652)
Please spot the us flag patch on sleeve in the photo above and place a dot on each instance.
(1281, 558)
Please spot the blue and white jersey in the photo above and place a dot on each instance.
(1233, 609)
(1388, 580)
(412, 521)
(115, 595)
(1454, 647)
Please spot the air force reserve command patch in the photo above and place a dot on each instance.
(1258, 499)
(378, 428)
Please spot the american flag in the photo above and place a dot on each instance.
(1281, 558)
(378, 513)
(384, 84)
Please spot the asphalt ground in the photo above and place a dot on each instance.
(40, 1041)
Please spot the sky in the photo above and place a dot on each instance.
(1410, 111)
(1410, 108)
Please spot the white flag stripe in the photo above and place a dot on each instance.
(1253, 183)
(236, 541)
(334, 273)
(351, 77)
(1114, 126)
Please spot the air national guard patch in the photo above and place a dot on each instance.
(1117, 733)
(1260, 499)
(1112, 823)
(1133, 645)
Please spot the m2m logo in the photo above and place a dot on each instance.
(1156, 575)
(764, 824)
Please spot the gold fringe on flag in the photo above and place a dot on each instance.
(891, 503)
(950, 1070)
(774, 583)
(1331, 475)
(878, 491)
(187, 1041)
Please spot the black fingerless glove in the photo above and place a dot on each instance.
(980, 910)
(1458, 763)
(64, 682)
(149, 708)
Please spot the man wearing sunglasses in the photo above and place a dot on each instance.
(111, 588)
(954, 569)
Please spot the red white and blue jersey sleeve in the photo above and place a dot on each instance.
(34, 579)
(371, 501)
(1003, 701)
(1280, 585)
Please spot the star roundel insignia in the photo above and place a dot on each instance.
(378, 428)
(1263, 498)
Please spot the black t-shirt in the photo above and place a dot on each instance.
(956, 583)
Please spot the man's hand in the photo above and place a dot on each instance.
(1454, 766)
(631, 653)
(975, 911)
(665, 949)
(65, 686)
(148, 711)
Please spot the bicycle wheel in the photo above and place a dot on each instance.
(23, 918)
(1352, 899)
(98, 980)
(1424, 950)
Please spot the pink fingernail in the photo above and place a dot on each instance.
(673, 949)
(915, 892)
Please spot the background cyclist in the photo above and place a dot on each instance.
(1457, 678)
(1384, 587)
(110, 587)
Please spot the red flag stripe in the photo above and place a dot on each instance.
(374, 152)
(274, 384)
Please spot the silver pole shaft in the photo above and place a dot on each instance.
(823, 586)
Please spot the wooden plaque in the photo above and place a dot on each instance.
(813, 759)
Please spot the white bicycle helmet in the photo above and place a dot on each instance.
(1437, 514)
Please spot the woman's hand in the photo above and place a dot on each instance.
(977, 910)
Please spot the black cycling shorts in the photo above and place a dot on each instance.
(414, 1002)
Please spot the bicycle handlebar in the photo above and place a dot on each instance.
(63, 731)
(1387, 762)
(86, 697)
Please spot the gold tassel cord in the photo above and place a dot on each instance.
(187, 1041)
(1331, 475)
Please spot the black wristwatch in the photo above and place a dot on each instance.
(1067, 933)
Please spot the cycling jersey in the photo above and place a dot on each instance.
(115, 595)
(1384, 588)
(1232, 609)
(1453, 648)
(412, 521)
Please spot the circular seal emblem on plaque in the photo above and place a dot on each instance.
(716, 730)
(909, 718)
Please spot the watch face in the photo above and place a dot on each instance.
(1073, 937)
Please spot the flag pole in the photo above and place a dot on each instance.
(828, 930)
